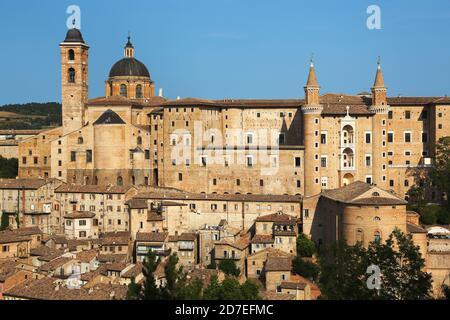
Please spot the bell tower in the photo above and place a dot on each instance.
(74, 71)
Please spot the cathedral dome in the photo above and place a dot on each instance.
(74, 35)
(129, 67)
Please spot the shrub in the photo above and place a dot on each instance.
(305, 269)
(305, 246)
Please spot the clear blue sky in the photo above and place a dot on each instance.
(231, 48)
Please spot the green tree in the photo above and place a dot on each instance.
(416, 196)
(9, 168)
(305, 246)
(228, 267)
(212, 292)
(150, 291)
(440, 173)
(192, 291)
(134, 291)
(250, 291)
(344, 270)
(443, 216)
(4, 222)
(401, 265)
(305, 269)
(175, 279)
(446, 292)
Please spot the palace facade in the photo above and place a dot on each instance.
(292, 146)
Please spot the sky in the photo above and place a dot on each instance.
(223, 49)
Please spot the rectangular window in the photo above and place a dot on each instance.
(147, 154)
(298, 162)
(204, 160)
(369, 179)
(24, 160)
(250, 161)
(323, 138)
(407, 137)
(407, 114)
(368, 137)
(249, 138)
(368, 160)
(324, 182)
(391, 183)
(180, 177)
(390, 115)
(73, 156)
(323, 162)
(390, 137)
(82, 223)
(88, 156)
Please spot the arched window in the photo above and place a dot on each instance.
(80, 140)
(377, 236)
(71, 55)
(119, 181)
(139, 91)
(139, 140)
(123, 90)
(375, 194)
(71, 75)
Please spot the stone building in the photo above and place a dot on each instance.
(290, 146)
(33, 199)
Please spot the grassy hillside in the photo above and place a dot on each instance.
(30, 116)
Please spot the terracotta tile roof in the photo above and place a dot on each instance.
(350, 193)
(183, 237)
(293, 285)
(54, 289)
(115, 238)
(103, 189)
(262, 238)
(42, 251)
(122, 101)
(272, 252)
(274, 296)
(26, 184)
(12, 237)
(315, 290)
(180, 196)
(28, 231)
(240, 244)
(279, 218)
(80, 215)
(278, 264)
(205, 275)
(87, 255)
(134, 271)
(7, 269)
(88, 276)
(51, 255)
(236, 103)
(152, 236)
(54, 264)
(137, 204)
(116, 266)
(112, 258)
(412, 228)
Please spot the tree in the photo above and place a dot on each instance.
(446, 292)
(230, 289)
(4, 222)
(9, 168)
(305, 269)
(344, 270)
(401, 265)
(192, 291)
(250, 291)
(134, 291)
(305, 246)
(416, 196)
(228, 267)
(440, 173)
(428, 215)
(175, 279)
(212, 292)
(150, 291)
